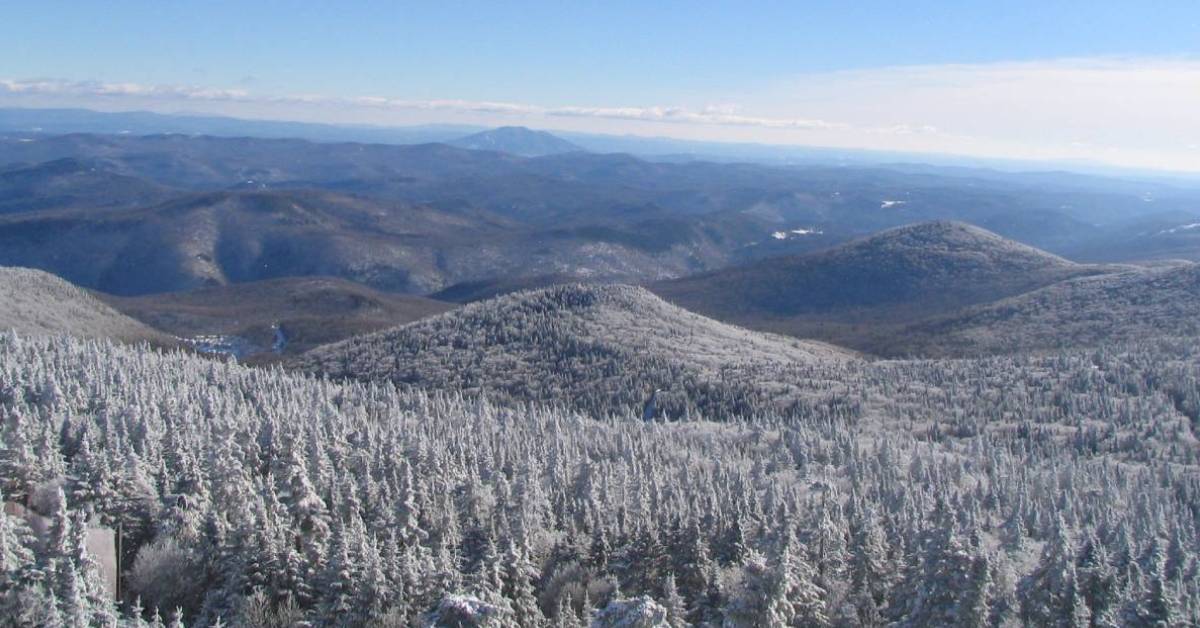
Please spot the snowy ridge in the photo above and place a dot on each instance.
(593, 347)
(36, 302)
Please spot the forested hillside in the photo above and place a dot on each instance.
(897, 275)
(1134, 305)
(598, 349)
(133, 215)
(36, 302)
(1049, 491)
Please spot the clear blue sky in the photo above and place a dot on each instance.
(553, 54)
(557, 52)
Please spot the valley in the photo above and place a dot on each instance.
(303, 312)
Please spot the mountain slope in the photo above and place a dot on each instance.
(66, 183)
(232, 237)
(288, 316)
(237, 236)
(1124, 307)
(483, 289)
(591, 347)
(895, 276)
(38, 303)
(516, 140)
(581, 215)
(1165, 236)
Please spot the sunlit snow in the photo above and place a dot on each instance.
(783, 235)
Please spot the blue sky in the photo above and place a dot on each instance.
(895, 75)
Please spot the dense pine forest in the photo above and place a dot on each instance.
(1058, 490)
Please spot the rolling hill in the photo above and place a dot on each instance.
(71, 183)
(574, 188)
(33, 302)
(588, 347)
(135, 215)
(1163, 236)
(897, 276)
(516, 140)
(239, 236)
(1125, 307)
(277, 316)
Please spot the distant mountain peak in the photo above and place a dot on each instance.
(952, 235)
(571, 296)
(895, 275)
(517, 140)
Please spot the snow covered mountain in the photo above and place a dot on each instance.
(601, 348)
(1131, 306)
(875, 283)
(36, 302)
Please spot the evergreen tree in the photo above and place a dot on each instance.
(520, 576)
(1045, 595)
(674, 603)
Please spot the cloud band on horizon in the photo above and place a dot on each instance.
(678, 115)
(1133, 112)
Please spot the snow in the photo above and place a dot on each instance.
(641, 612)
(219, 344)
(887, 204)
(465, 610)
(783, 235)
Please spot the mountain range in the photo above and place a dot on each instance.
(870, 258)
(940, 289)
(423, 218)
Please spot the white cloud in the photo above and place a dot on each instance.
(98, 89)
(707, 115)
(1127, 111)
(716, 115)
